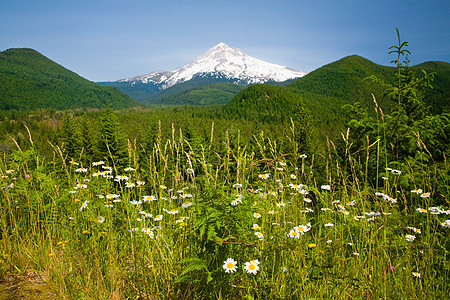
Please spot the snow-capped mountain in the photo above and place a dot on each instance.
(221, 61)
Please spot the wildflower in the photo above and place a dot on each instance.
(325, 187)
(98, 163)
(425, 195)
(230, 265)
(172, 211)
(259, 235)
(252, 267)
(384, 178)
(84, 205)
(414, 229)
(186, 204)
(129, 184)
(134, 202)
(416, 274)
(79, 170)
(421, 210)
(148, 232)
(237, 186)
(264, 176)
(283, 269)
(100, 219)
(162, 186)
(158, 217)
(281, 204)
(256, 227)
(149, 198)
(303, 156)
(271, 212)
(307, 200)
(396, 172)
(325, 209)
(257, 215)
(293, 176)
(236, 202)
(329, 225)
(355, 253)
(417, 191)
(329, 241)
(302, 228)
(446, 224)
(10, 171)
(312, 245)
(190, 171)
(129, 169)
(121, 178)
(410, 238)
(80, 186)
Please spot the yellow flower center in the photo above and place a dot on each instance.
(294, 233)
(251, 267)
(230, 265)
(301, 228)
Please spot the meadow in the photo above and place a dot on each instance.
(262, 198)
(184, 223)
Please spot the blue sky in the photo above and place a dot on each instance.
(107, 40)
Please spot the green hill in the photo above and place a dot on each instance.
(342, 82)
(265, 103)
(29, 80)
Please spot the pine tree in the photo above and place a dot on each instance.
(111, 142)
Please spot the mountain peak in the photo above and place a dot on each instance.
(222, 61)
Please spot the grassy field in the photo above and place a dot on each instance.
(179, 224)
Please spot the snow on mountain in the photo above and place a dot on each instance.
(221, 61)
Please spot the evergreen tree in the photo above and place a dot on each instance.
(111, 142)
(70, 136)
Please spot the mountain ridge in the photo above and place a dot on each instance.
(220, 63)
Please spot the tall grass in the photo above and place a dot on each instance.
(163, 227)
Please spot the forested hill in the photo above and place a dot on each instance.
(29, 80)
(342, 82)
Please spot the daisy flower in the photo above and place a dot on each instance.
(121, 177)
(130, 185)
(446, 224)
(259, 235)
(230, 265)
(293, 176)
(410, 238)
(149, 198)
(158, 218)
(416, 274)
(303, 156)
(302, 228)
(186, 204)
(421, 210)
(264, 176)
(257, 215)
(100, 219)
(425, 195)
(256, 227)
(414, 229)
(252, 267)
(325, 187)
(294, 234)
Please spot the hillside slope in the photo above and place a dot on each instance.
(29, 80)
